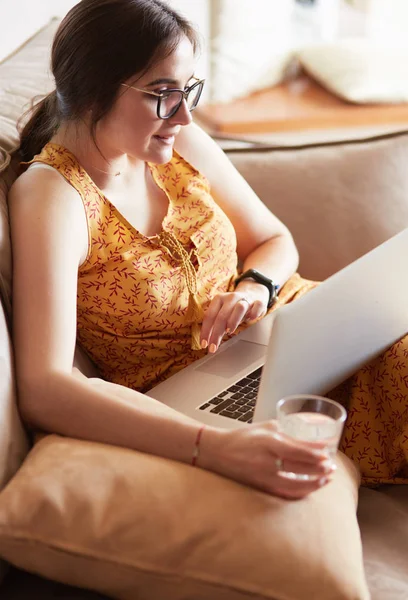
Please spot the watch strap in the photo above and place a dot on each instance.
(260, 278)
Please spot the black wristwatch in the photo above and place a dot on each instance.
(259, 278)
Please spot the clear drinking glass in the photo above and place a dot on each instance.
(311, 419)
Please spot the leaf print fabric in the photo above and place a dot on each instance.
(376, 433)
(132, 301)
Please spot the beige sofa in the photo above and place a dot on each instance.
(339, 200)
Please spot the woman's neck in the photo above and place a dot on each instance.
(106, 166)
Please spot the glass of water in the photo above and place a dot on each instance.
(311, 419)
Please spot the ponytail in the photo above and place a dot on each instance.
(41, 126)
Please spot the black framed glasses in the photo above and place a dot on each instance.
(169, 101)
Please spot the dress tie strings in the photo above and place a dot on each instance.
(195, 312)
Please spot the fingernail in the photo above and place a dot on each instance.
(323, 480)
(212, 348)
(328, 466)
(319, 454)
(204, 344)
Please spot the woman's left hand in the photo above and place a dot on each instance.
(228, 310)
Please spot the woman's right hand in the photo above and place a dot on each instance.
(252, 455)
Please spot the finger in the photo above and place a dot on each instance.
(256, 311)
(317, 445)
(319, 469)
(299, 488)
(238, 313)
(274, 428)
(288, 448)
(209, 318)
(299, 493)
(220, 325)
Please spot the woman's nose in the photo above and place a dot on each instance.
(183, 115)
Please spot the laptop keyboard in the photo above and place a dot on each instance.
(237, 401)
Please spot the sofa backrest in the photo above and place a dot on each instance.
(339, 200)
(13, 439)
(22, 76)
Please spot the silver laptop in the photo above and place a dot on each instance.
(308, 346)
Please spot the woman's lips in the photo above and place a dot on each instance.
(165, 139)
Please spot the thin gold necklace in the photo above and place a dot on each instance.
(107, 172)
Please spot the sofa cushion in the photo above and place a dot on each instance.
(13, 440)
(20, 585)
(339, 200)
(7, 177)
(23, 76)
(132, 525)
(383, 519)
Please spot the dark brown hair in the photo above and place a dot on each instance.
(99, 45)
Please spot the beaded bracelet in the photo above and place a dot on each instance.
(196, 451)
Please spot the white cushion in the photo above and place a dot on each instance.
(358, 70)
(250, 46)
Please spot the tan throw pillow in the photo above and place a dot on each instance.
(132, 525)
(359, 70)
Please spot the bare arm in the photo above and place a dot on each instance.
(49, 242)
(263, 242)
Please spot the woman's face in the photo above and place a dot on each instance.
(133, 127)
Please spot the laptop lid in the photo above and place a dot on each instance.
(325, 336)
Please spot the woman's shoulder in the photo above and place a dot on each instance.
(200, 151)
(45, 208)
(42, 189)
(41, 182)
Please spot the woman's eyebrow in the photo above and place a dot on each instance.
(163, 80)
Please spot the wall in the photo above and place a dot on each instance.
(198, 12)
(24, 18)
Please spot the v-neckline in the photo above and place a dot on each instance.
(121, 217)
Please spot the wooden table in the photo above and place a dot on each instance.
(298, 104)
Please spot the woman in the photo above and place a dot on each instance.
(139, 224)
(114, 153)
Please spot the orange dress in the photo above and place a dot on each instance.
(139, 297)
(140, 300)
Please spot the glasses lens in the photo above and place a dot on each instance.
(194, 95)
(170, 103)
